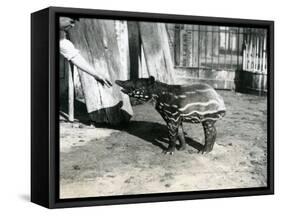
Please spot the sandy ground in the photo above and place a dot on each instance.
(102, 162)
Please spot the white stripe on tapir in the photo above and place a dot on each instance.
(205, 90)
(171, 112)
(214, 119)
(199, 103)
(210, 112)
(182, 96)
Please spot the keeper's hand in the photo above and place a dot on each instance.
(103, 81)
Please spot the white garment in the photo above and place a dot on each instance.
(67, 49)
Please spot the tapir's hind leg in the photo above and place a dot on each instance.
(210, 135)
(181, 138)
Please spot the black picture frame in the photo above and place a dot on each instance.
(45, 100)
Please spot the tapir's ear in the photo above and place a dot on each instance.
(151, 79)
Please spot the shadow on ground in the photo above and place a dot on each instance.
(156, 133)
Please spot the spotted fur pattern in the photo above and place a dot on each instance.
(196, 103)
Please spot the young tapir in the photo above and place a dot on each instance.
(195, 103)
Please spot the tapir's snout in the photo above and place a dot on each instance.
(119, 82)
(137, 88)
(126, 86)
(123, 84)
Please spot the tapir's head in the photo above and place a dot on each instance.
(138, 88)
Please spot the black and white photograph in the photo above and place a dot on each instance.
(158, 107)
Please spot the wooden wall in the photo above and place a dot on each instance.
(104, 45)
(121, 51)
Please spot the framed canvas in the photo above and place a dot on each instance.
(139, 107)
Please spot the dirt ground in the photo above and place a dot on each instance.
(103, 162)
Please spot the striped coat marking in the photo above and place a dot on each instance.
(200, 104)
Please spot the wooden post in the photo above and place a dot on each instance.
(70, 94)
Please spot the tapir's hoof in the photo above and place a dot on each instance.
(182, 148)
(205, 150)
(168, 152)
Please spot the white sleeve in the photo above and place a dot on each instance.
(67, 49)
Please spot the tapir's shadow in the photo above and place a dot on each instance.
(156, 133)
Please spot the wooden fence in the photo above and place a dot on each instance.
(207, 47)
(214, 54)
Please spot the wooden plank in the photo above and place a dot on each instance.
(157, 54)
(78, 90)
(264, 57)
(122, 37)
(195, 46)
(254, 50)
(221, 48)
(134, 49)
(63, 67)
(247, 49)
(143, 70)
(215, 47)
(186, 38)
(260, 53)
(183, 47)
(189, 47)
(184, 72)
(171, 39)
(97, 42)
(70, 94)
(257, 54)
(177, 45)
(250, 65)
(202, 46)
(233, 47)
(240, 48)
(209, 46)
(217, 84)
(226, 47)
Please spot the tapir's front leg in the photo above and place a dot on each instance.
(173, 136)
